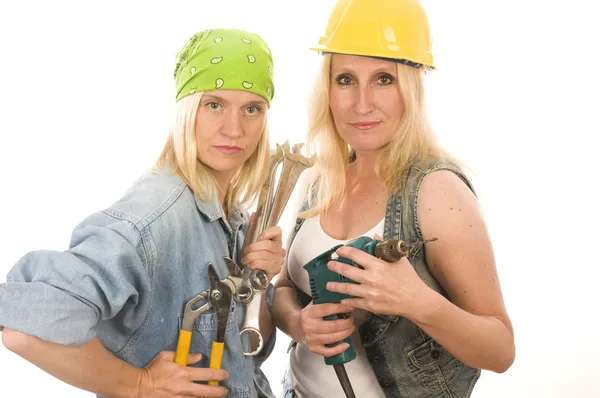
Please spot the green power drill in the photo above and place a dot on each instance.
(390, 250)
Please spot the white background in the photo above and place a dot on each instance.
(86, 92)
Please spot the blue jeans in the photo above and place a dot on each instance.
(288, 389)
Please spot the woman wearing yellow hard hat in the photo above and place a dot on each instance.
(427, 324)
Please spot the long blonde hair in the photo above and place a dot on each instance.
(414, 144)
(180, 156)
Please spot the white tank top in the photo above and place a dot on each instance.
(311, 377)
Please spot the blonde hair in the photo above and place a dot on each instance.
(180, 156)
(414, 144)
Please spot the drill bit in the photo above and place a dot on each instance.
(393, 250)
(340, 371)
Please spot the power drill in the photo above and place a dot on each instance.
(390, 250)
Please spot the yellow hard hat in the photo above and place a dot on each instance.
(393, 29)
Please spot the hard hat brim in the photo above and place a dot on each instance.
(420, 62)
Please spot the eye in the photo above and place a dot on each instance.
(253, 110)
(385, 79)
(344, 80)
(213, 105)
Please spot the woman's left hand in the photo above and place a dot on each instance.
(383, 288)
(266, 253)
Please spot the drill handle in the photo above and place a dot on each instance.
(349, 354)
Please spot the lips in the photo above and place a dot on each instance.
(228, 150)
(365, 125)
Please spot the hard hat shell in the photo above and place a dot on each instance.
(391, 29)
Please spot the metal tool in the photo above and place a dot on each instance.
(220, 299)
(185, 333)
(218, 296)
(319, 274)
(271, 204)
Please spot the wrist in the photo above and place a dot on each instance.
(121, 381)
(428, 305)
(140, 389)
(132, 384)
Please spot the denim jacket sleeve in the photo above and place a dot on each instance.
(60, 296)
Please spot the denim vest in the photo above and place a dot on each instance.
(127, 275)
(405, 360)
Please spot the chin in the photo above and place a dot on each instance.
(368, 147)
(221, 166)
(366, 144)
(227, 168)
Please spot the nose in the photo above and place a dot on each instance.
(364, 100)
(232, 127)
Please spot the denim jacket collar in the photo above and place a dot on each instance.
(211, 210)
(214, 211)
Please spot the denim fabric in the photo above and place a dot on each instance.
(288, 389)
(127, 275)
(406, 361)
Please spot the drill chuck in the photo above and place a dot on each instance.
(390, 250)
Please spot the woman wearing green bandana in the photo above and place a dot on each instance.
(105, 314)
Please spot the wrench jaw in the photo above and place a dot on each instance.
(236, 279)
(258, 282)
(251, 324)
(294, 163)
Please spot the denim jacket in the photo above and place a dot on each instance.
(406, 361)
(127, 275)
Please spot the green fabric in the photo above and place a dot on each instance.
(225, 59)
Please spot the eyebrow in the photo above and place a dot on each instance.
(376, 72)
(217, 98)
(213, 97)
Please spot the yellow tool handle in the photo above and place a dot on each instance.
(183, 347)
(216, 356)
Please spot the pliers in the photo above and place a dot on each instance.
(219, 297)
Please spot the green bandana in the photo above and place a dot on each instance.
(226, 59)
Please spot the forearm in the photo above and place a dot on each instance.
(264, 321)
(285, 311)
(479, 341)
(90, 367)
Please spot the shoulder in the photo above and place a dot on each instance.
(446, 204)
(445, 185)
(418, 175)
(154, 194)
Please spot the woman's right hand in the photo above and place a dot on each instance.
(162, 378)
(316, 332)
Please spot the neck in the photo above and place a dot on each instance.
(363, 167)
(223, 181)
(361, 178)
